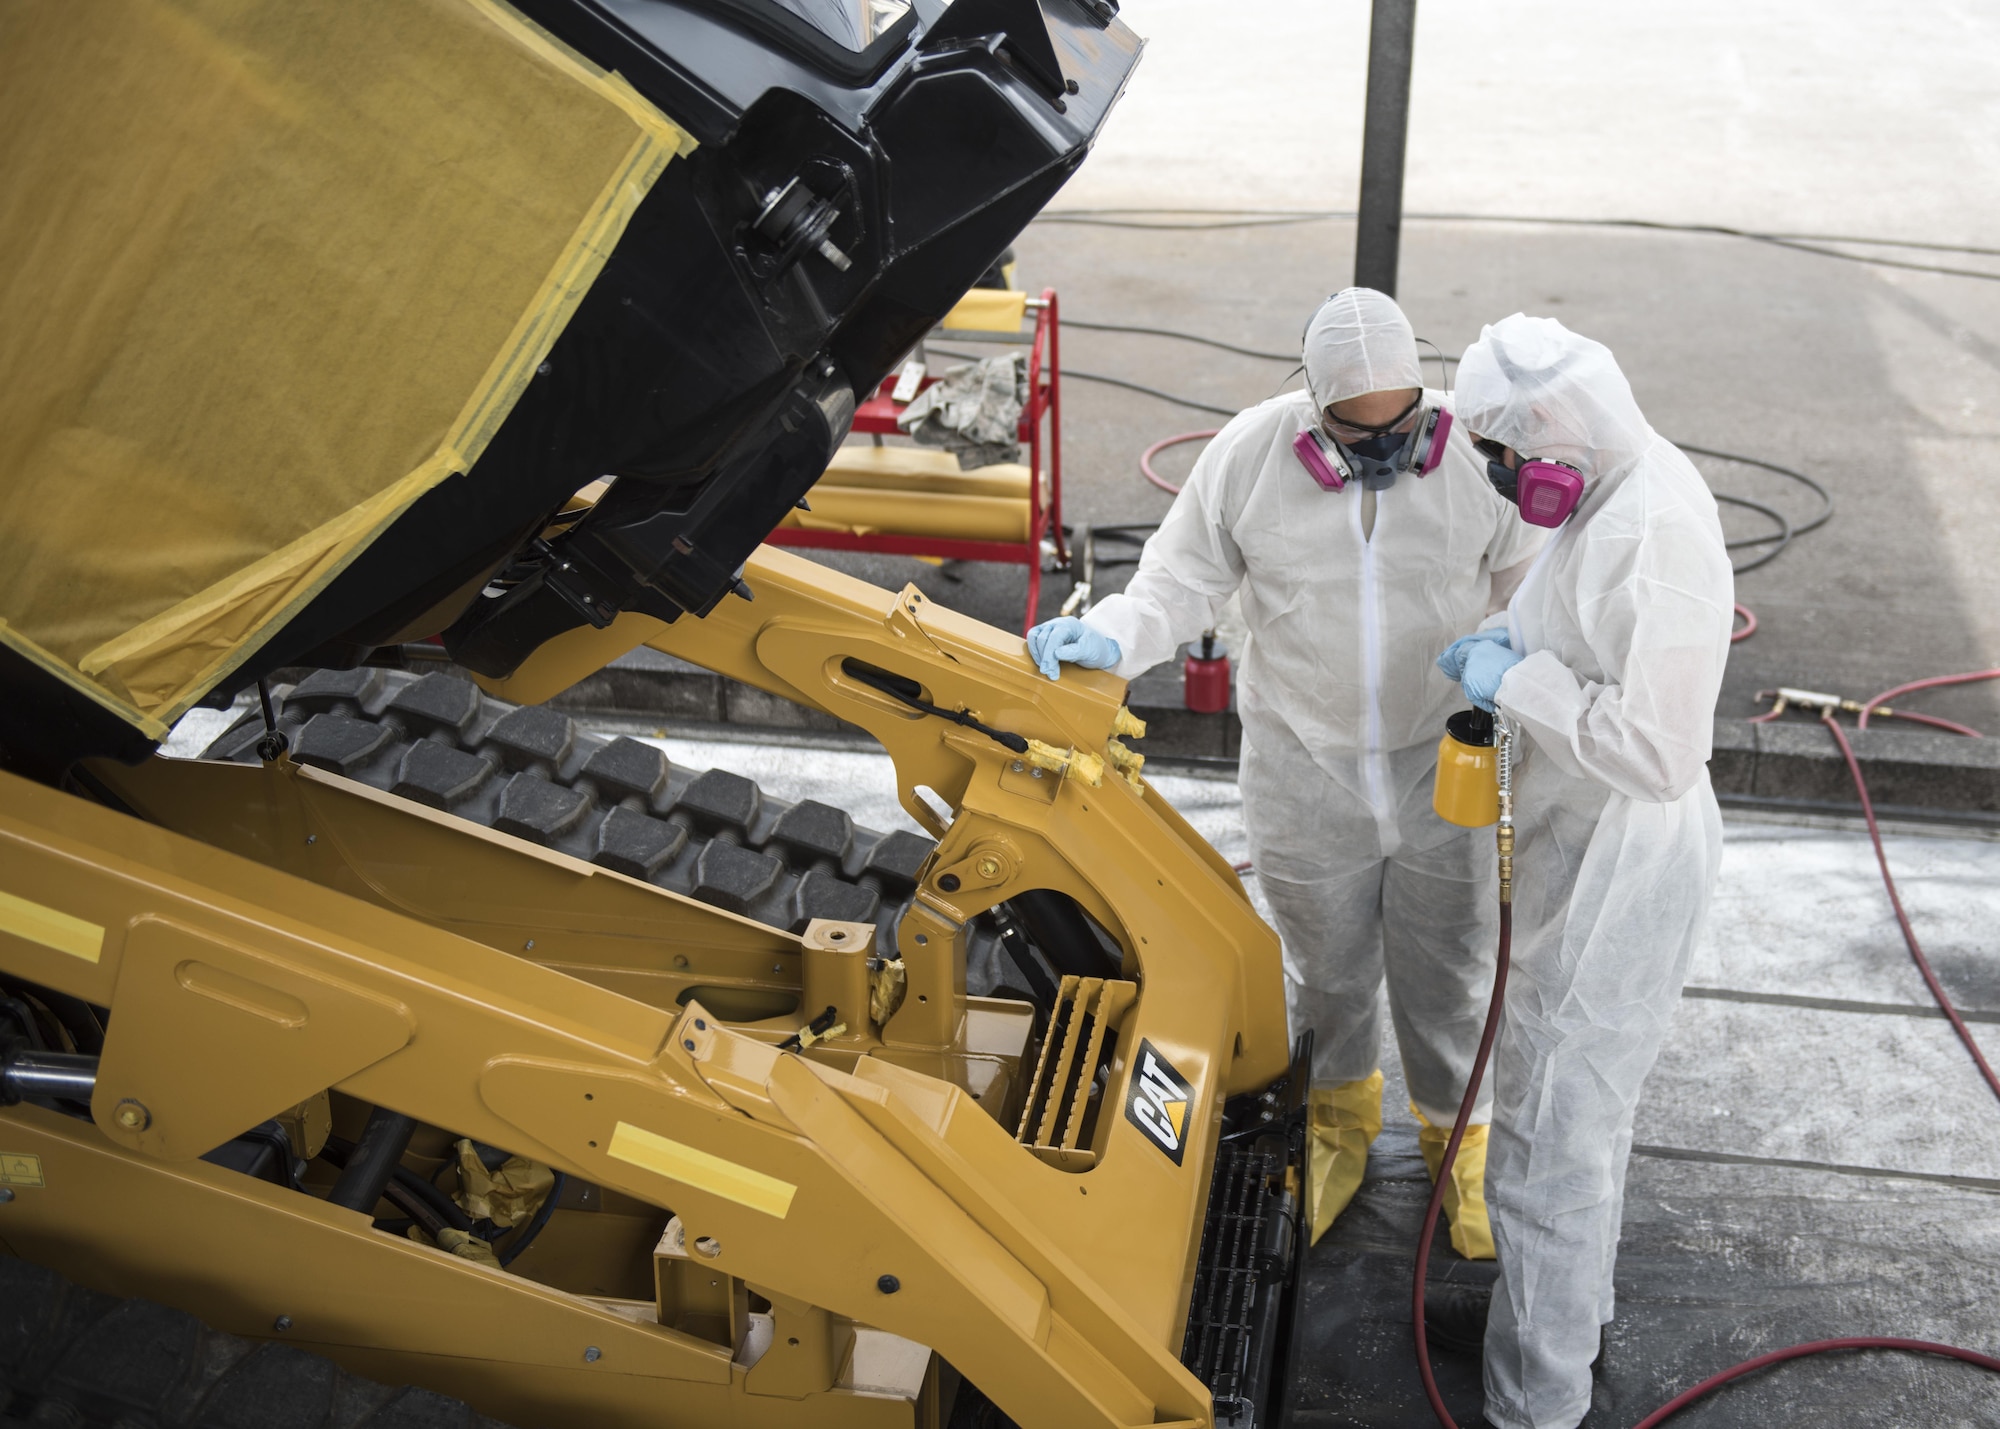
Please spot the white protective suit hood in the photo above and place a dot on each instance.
(1359, 342)
(1533, 385)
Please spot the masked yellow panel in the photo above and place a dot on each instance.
(269, 269)
(988, 310)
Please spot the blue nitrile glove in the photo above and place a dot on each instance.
(1068, 639)
(1452, 662)
(1485, 665)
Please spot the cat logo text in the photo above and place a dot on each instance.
(1160, 1102)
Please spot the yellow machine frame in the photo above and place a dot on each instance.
(263, 934)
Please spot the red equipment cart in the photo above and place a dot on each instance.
(964, 517)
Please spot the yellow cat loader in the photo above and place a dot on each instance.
(416, 1056)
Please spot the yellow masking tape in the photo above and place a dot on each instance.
(52, 929)
(700, 1169)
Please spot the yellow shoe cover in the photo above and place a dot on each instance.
(1343, 1121)
(1465, 1197)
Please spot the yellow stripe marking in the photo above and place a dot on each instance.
(702, 1170)
(51, 928)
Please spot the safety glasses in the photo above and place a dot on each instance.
(1490, 449)
(1362, 431)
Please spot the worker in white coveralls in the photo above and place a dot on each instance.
(1360, 528)
(1607, 664)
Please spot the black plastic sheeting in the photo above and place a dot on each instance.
(1718, 1263)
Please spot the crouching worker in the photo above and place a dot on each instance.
(1607, 666)
(1363, 535)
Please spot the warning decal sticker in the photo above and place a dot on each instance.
(18, 1168)
(1160, 1102)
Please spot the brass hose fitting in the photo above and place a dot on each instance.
(1785, 698)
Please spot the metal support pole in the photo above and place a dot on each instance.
(1385, 133)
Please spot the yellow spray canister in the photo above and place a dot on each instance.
(1468, 774)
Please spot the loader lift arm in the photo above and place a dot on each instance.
(1005, 1257)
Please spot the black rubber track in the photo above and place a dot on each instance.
(618, 802)
(72, 1358)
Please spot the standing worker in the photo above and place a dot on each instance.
(1607, 666)
(1364, 535)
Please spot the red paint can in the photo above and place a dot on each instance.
(1206, 677)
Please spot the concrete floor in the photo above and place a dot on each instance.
(1857, 116)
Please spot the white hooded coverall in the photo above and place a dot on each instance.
(1341, 706)
(1625, 623)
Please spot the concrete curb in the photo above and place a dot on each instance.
(1905, 768)
(1793, 762)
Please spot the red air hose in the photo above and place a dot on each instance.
(1817, 1347)
(1146, 457)
(1451, 1155)
(1948, 726)
(1895, 899)
(1932, 683)
(1813, 1347)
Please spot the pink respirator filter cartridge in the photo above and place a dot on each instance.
(1315, 458)
(1548, 492)
(1440, 431)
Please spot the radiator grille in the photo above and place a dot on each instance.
(1057, 1117)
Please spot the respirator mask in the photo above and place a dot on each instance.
(1337, 452)
(1546, 491)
